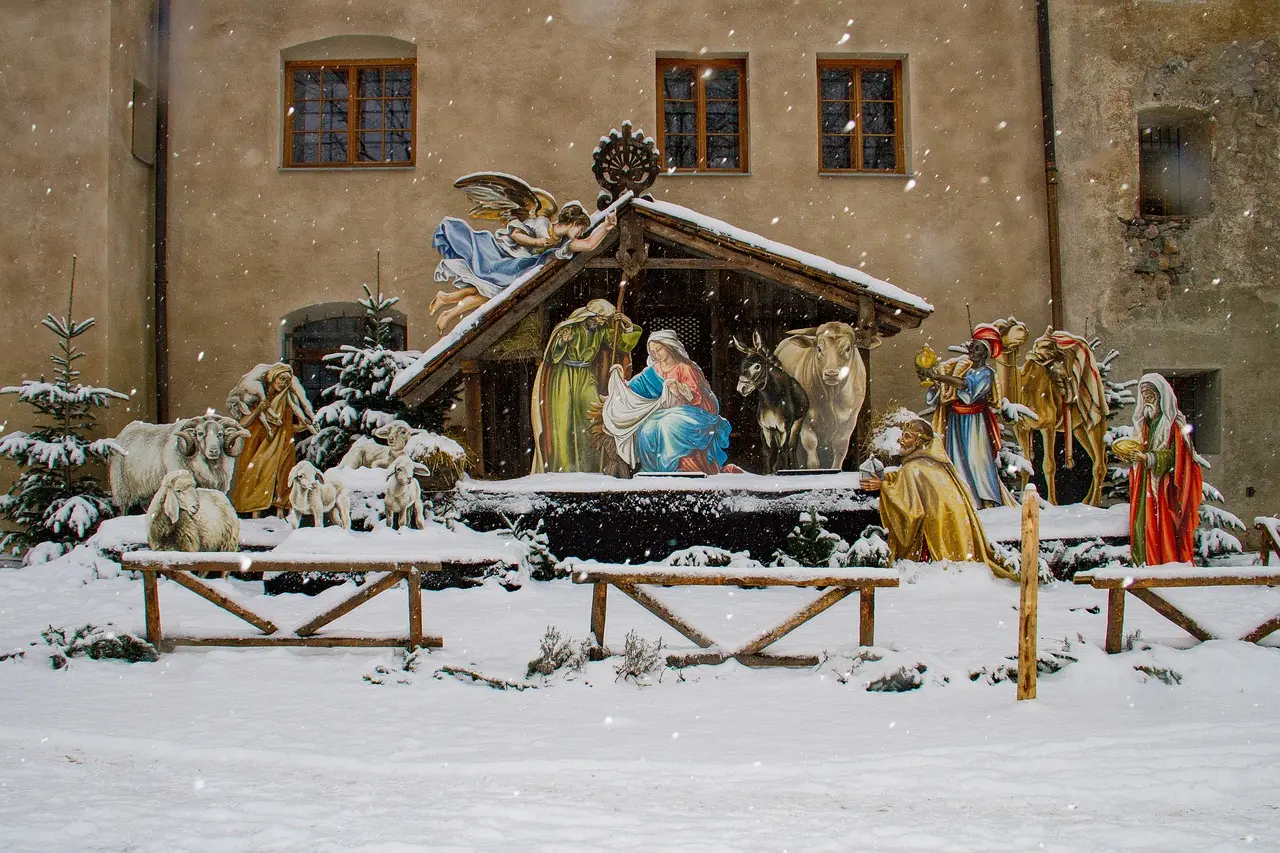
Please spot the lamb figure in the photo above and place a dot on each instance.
(207, 446)
(310, 494)
(184, 517)
(366, 453)
(403, 497)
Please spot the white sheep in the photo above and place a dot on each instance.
(310, 494)
(403, 497)
(366, 453)
(182, 517)
(206, 446)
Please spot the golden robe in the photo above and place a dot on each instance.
(929, 515)
(262, 473)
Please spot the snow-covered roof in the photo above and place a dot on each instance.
(842, 278)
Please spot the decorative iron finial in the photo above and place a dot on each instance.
(625, 160)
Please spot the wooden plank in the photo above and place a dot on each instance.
(673, 577)
(1115, 620)
(151, 605)
(1173, 614)
(668, 264)
(430, 641)
(1269, 543)
(474, 426)
(366, 592)
(599, 603)
(1263, 631)
(763, 660)
(414, 577)
(1028, 600)
(657, 608)
(794, 621)
(181, 578)
(277, 564)
(867, 617)
(1138, 581)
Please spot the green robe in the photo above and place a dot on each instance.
(569, 385)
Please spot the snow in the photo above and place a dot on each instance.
(583, 567)
(1182, 571)
(1073, 521)
(291, 749)
(817, 262)
(1271, 525)
(129, 533)
(473, 319)
(594, 483)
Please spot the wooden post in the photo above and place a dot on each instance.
(599, 599)
(1028, 620)
(151, 604)
(867, 617)
(1115, 620)
(413, 579)
(475, 415)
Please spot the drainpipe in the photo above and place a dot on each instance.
(1057, 309)
(161, 213)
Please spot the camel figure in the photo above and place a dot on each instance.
(1060, 382)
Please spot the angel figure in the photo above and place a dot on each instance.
(481, 264)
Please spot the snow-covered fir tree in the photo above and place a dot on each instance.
(1213, 536)
(56, 502)
(361, 399)
(1119, 397)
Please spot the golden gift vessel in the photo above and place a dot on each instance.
(925, 360)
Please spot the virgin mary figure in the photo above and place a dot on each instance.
(666, 418)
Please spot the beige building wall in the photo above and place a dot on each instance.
(530, 90)
(71, 187)
(1220, 57)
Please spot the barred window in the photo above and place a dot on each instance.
(350, 114)
(860, 115)
(1173, 162)
(702, 114)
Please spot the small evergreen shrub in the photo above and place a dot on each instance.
(96, 644)
(641, 659)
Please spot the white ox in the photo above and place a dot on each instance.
(826, 362)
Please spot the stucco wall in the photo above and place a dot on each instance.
(1112, 60)
(512, 90)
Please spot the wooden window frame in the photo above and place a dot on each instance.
(856, 64)
(699, 66)
(352, 67)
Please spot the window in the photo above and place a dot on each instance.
(860, 115)
(702, 114)
(350, 114)
(1173, 162)
(1200, 399)
(316, 331)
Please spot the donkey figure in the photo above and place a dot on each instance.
(782, 404)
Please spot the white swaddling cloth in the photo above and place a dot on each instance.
(625, 412)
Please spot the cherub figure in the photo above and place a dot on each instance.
(481, 264)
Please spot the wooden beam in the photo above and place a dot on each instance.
(151, 604)
(414, 577)
(794, 621)
(473, 388)
(672, 576)
(1173, 614)
(599, 604)
(669, 264)
(429, 641)
(657, 608)
(1028, 599)
(208, 593)
(1137, 581)
(867, 617)
(1115, 620)
(366, 592)
(1263, 631)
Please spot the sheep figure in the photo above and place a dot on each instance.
(403, 497)
(310, 494)
(366, 453)
(184, 517)
(207, 446)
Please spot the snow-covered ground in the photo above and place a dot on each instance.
(293, 750)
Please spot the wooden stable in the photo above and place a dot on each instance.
(665, 267)
(1142, 581)
(837, 583)
(183, 568)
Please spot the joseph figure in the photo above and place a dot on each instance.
(926, 507)
(275, 416)
(574, 367)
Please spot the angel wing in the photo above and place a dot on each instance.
(502, 197)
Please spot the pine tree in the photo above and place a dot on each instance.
(1119, 397)
(361, 398)
(810, 544)
(55, 503)
(1213, 537)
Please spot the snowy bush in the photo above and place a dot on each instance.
(811, 545)
(556, 652)
(1050, 658)
(361, 399)
(641, 659)
(1160, 673)
(1213, 538)
(97, 644)
(55, 503)
(900, 680)
(706, 555)
(538, 563)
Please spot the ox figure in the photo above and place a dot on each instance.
(781, 405)
(826, 362)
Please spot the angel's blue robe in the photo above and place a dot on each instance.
(487, 261)
(669, 435)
